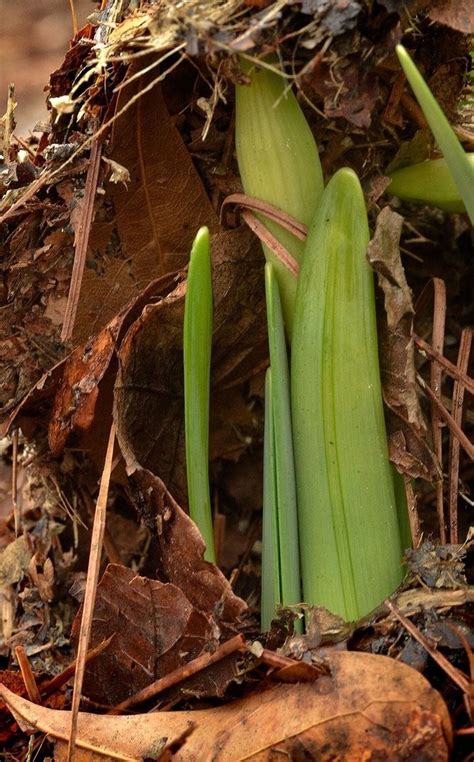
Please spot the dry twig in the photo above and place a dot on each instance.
(91, 589)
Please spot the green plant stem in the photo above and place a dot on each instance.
(283, 448)
(197, 365)
(271, 582)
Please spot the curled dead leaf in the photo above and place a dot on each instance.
(83, 371)
(182, 551)
(409, 450)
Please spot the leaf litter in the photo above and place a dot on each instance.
(124, 357)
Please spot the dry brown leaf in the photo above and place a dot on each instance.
(349, 91)
(182, 551)
(457, 14)
(149, 407)
(407, 429)
(75, 401)
(163, 631)
(141, 232)
(368, 707)
(155, 216)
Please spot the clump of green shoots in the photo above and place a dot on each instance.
(197, 345)
(278, 161)
(326, 468)
(349, 541)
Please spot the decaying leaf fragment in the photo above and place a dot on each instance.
(155, 629)
(182, 552)
(14, 561)
(367, 707)
(409, 450)
(454, 13)
(438, 566)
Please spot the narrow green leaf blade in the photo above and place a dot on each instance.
(197, 342)
(459, 166)
(349, 536)
(271, 581)
(282, 432)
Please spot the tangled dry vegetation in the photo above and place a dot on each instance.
(99, 210)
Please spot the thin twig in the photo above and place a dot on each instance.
(27, 675)
(454, 448)
(73, 17)
(271, 242)
(57, 682)
(81, 240)
(91, 590)
(455, 674)
(469, 697)
(278, 661)
(16, 507)
(454, 427)
(296, 228)
(438, 289)
(452, 370)
(436, 374)
(181, 673)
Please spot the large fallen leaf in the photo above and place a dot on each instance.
(149, 406)
(155, 627)
(369, 707)
(155, 215)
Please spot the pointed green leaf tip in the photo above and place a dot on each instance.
(459, 166)
(349, 537)
(197, 345)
